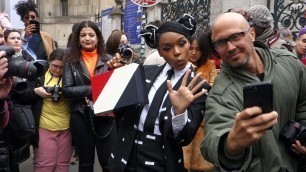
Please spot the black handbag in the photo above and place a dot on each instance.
(21, 124)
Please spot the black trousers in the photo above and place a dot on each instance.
(147, 154)
(86, 141)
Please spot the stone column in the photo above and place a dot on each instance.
(116, 17)
(117, 14)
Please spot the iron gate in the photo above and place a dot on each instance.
(199, 9)
(290, 15)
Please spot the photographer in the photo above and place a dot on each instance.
(117, 42)
(19, 143)
(4, 116)
(52, 141)
(115, 39)
(5, 164)
(5, 87)
(12, 38)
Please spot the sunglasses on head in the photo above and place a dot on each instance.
(30, 17)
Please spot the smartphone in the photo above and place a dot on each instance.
(259, 94)
(36, 24)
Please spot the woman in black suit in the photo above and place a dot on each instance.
(150, 138)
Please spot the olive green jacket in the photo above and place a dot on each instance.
(225, 100)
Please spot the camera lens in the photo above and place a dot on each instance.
(125, 51)
(290, 132)
(56, 94)
(55, 97)
(9, 51)
(21, 68)
(19, 84)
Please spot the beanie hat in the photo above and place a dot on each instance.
(261, 16)
(302, 32)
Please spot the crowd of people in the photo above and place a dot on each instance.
(194, 118)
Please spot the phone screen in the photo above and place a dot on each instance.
(36, 24)
(259, 94)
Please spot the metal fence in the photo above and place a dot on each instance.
(199, 9)
(289, 15)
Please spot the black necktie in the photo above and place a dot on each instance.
(155, 104)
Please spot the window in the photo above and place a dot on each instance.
(64, 4)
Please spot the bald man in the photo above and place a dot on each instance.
(240, 139)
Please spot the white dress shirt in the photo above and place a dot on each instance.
(178, 121)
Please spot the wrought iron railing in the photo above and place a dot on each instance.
(290, 15)
(199, 9)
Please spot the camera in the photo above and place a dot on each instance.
(291, 132)
(55, 92)
(23, 69)
(19, 84)
(125, 51)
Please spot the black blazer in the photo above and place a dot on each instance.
(127, 122)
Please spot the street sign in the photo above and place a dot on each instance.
(146, 3)
(132, 22)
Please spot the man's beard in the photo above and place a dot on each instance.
(240, 64)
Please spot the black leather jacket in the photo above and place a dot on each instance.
(77, 83)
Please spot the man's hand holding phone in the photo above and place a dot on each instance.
(249, 126)
(252, 123)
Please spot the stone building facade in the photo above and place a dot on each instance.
(58, 16)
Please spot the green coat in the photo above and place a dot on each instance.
(225, 100)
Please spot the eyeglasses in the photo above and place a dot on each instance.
(235, 38)
(32, 17)
(57, 66)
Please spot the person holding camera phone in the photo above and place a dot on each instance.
(52, 141)
(37, 43)
(87, 58)
(238, 139)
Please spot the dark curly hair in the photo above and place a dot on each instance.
(74, 53)
(24, 7)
